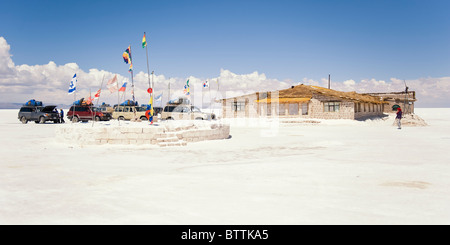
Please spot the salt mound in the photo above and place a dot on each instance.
(412, 120)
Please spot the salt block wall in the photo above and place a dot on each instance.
(155, 135)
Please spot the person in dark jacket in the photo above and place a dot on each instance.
(399, 118)
(61, 116)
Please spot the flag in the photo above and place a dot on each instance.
(97, 95)
(206, 84)
(126, 55)
(144, 41)
(149, 111)
(127, 58)
(73, 84)
(89, 100)
(112, 84)
(159, 97)
(124, 86)
(186, 88)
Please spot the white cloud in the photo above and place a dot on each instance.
(49, 83)
(6, 63)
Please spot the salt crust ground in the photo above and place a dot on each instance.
(334, 172)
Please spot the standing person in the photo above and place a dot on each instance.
(399, 118)
(61, 116)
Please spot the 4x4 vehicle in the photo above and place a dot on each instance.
(102, 110)
(185, 112)
(157, 110)
(127, 112)
(85, 113)
(38, 114)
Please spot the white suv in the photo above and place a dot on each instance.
(128, 112)
(184, 112)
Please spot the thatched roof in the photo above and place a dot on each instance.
(307, 91)
(303, 93)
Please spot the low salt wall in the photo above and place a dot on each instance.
(169, 133)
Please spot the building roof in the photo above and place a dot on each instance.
(308, 91)
(304, 93)
(283, 100)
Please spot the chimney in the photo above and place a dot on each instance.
(329, 81)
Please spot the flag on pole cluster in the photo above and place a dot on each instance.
(206, 84)
(144, 41)
(112, 84)
(159, 97)
(149, 111)
(124, 86)
(73, 84)
(97, 95)
(127, 58)
(89, 100)
(186, 88)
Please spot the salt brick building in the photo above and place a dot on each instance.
(304, 101)
(403, 99)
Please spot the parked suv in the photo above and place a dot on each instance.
(185, 112)
(127, 112)
(38, 114)
(102, 110)
(86, 113)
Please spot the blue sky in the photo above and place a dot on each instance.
(285, 40)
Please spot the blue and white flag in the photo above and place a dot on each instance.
(159, 97)
(73, 84)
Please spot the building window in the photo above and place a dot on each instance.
(304, 109)
(331, 106)
(269, 110)
(293, 109)
(282, 110)
(238, 106)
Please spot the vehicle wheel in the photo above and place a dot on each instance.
(55, 121)
(144, 118)
(75, 119)
(199, 118)
(169, 118)
(97, 118)
(121, 118)
(36, 121)
(23, 120)
(41, 120)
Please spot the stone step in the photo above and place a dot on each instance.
(168, 139)
(167, 144)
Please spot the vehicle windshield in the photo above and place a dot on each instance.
(196, 109)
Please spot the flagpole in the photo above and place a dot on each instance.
(98, 97)
(210, 98)
(74, 99)
(73, 105)
(168, 96)
(132, 87)
(151, 99)
(118, 100)
(148, 67)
